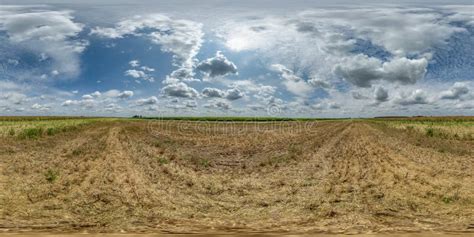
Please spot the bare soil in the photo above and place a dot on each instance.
(193, 177)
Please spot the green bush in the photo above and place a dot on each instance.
(31, 133)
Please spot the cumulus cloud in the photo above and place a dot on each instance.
(362, 70)
(179, 89)
(147, 101)
(456, 91)
(223, 105)
(417, 96)
(125, 94)
(404, 70)
(87, 103)
(96, 94)
(213, 92)
(217, 66)
(69, 103)
(230, 94)
(53, 34)
(234, 94)
(140, 72)
(137, 74)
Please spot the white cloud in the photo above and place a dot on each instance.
(219, 104)
(49, 33)
(213, 92)
(96, 94)
(313, 41)
(40, 107)
(179, 89)
(292, 82)
(182, 38)
(69, 103)
(125, 94)
(137, 74)
(147, 101)
(400, 31)
(461, 13)
(362, 70)
(140, 72)
(134, 63)
(14, 97)
(456, 91)
(417, 96)
(230, 94)
(325, 105)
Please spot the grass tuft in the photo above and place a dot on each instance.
(51, 175)
(429, 132)
(162, 160)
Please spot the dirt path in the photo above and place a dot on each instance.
(427, 234)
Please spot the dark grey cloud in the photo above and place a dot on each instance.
(381, 94)
(234, 94)
(217, 66)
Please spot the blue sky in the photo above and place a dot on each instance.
(225, 58)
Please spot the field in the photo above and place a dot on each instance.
(237, 175)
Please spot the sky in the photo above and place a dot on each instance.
(237, 58)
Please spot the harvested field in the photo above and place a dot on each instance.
(193, 176)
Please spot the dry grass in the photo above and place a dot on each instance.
(459, 129)
(331, 176)
(35, 127)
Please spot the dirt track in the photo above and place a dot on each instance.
(332, 177)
